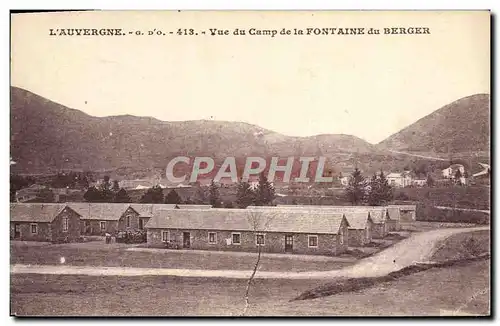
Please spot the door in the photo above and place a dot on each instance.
(186, 240)
(88, 229)
(17, 231)
(289, 243)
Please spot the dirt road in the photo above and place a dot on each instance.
(418, 248)
(464, 209)
(418, 155)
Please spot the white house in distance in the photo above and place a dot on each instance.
(449, 172)
(399, 179)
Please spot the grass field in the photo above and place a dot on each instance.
(463, 246)
(464, 288)
(119, 256)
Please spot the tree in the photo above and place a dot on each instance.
(199, 195)
(374, 191)
(380, 192)
(245, 195)
(153, 195)
(122, 197)
(116, 186)
(189, 201)
(213, 194)
(458, 175)
(259, 223)
(93, 195)
(385, 189)
(105, 189)
(265, 193)
(17, 182)
(356, 188)
(105, 183)
(173, 197)
(229, 204)
(46, 195)
(430, 180)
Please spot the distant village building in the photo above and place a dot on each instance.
(44, 222)
(419, 182)
(451, 171)
(344, 181)
(29, 193)
(400, 179)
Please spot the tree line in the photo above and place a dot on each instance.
(375, 191)
(262, 195)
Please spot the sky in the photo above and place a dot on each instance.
(370, 86)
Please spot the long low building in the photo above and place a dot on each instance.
(384, 220)
(245, 230)
(95, 218)
(44, 222)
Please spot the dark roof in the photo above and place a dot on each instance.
(189, 206)
(148, 210)
(394, 213)
(405, 207)
(247, 220)
(35, 212)
(357, 220)
(99, 211)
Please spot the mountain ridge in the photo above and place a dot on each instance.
(460, 126)
(46, 135)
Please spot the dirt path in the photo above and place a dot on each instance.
(464, 209)
(421, 156)
(418, 248)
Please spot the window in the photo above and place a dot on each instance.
(17, 228)
(128, 221)
(212, 237)
(312, 241)
(236, 238)
(34, 228)
(260, 240)
(65, 224)
(164, 236)
(341, 236)
(103, 226)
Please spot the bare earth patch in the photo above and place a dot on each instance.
(119, 256)
(464, 288)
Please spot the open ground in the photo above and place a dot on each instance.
(449, 290)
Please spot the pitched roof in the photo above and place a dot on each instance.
(35, 212)
(189, 206)
(99, 211)
(405, 207)
(378, 215)
(247, 220)
(394, 213)
(357, 220)
(148, 210)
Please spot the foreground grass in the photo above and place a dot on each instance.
(463, 246)
(426, 293)
(119, 257)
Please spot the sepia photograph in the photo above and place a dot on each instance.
(250, 163)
